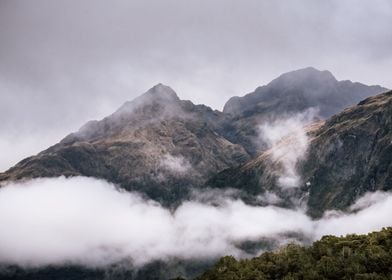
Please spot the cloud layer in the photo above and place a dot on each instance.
(88, 221)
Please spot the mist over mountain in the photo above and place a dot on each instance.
(164, 147)
(346, 156)
(156, 144)
(288, 94)
(179, 140)
(163, 187)
(297, 90)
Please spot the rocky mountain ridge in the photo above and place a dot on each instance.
(156, 144)
(165, 147)
(288, 94)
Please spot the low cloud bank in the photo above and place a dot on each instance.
(90, 222)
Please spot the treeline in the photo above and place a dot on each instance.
(351, 257)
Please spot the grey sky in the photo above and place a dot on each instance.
(65, 62)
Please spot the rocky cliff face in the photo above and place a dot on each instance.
(350, 155)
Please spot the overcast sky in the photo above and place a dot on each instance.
(63, 63)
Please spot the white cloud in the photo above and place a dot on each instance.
(175, 164)
(374, 213)
(90, 222)
(288, 142)
(269, 198)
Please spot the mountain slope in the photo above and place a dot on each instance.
(156, 144)
(349, 155)
(288, 94)
(163, 146)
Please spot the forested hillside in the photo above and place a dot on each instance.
(350, 257)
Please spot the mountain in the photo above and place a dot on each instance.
(165, 147)
(348, 155)
(288, 94)
(157, 144)
(301, 89)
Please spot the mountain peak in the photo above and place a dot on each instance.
(308, 81)
(304, 75)
(158, 94)
(162, 91)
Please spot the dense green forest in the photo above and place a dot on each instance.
(350, 257)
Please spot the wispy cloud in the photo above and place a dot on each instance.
(175, 164)
(288, 142)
